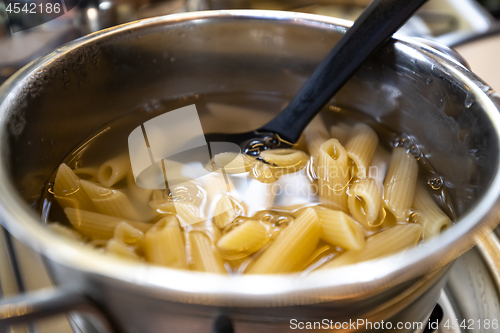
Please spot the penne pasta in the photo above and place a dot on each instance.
(242, 240)
(110, 202)
(113, 170)
(138, 194)
(292, 248)
(203, 257)
(88, 173)
(333, 175)
(263, 173)
(65, 231)
(315, 134)
(399, 238)
(360, 148)
(340, 230)
(430, 216)
(364, 201)
(98, 226)
(283, 161)
(232, 163)
(188, 214)
(164, 244)
(337, 197)
(226, 210)
(400, 182)
(121, 250)
(340, 132)
(129, 236)
(67, 190)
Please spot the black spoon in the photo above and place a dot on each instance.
(371, 31)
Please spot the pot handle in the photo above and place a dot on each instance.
(48, 302)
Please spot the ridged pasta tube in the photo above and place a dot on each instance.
(226, 210)
(341, 132)
(285, 160)
(232, 163)
(67, 190)
(292, 248)
(113, 170)
(88, 173)
(315, 134)
(115, 247)
(398, 238)
(430, 216)
(243, 240)
(263, 173)
(164, 244)
(360, 148)
(98, 226)
(65, 231)
(333, 175)
(400, 182)
(138, 194)
(340, 230)
(110, 202)
(364, 201)
(128, 235)
(203, 257)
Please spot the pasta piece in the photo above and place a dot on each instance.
(98, 226)
(315, 134)
(121, 250)
(340, 230)
(285, 160)
(88, 173)
(129, 236)
(340, 132)
(163, 206)
(203, 257)
(164, 244)
(243, 240)
(430, 216)
(263, 173)
(113, 170)
(68, 191)
(65, 231)
(188, 214)
(364, 201)
(138, 194)
(380, 163)
(110, 202)
(387, 242)
(292, 248)
(333, 175)
(360, 148)
(226, 210)
(232, 163)
(400, 182)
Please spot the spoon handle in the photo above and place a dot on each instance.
(371, 30)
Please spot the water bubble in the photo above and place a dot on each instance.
(436, 182)
(429, 80)
(414, 150)
(400, 141)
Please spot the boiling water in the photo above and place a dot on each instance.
(233, 113)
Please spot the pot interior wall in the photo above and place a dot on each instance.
(67, 100)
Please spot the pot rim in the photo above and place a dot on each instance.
(248, 290)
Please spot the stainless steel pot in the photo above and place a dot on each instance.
(51, 105)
